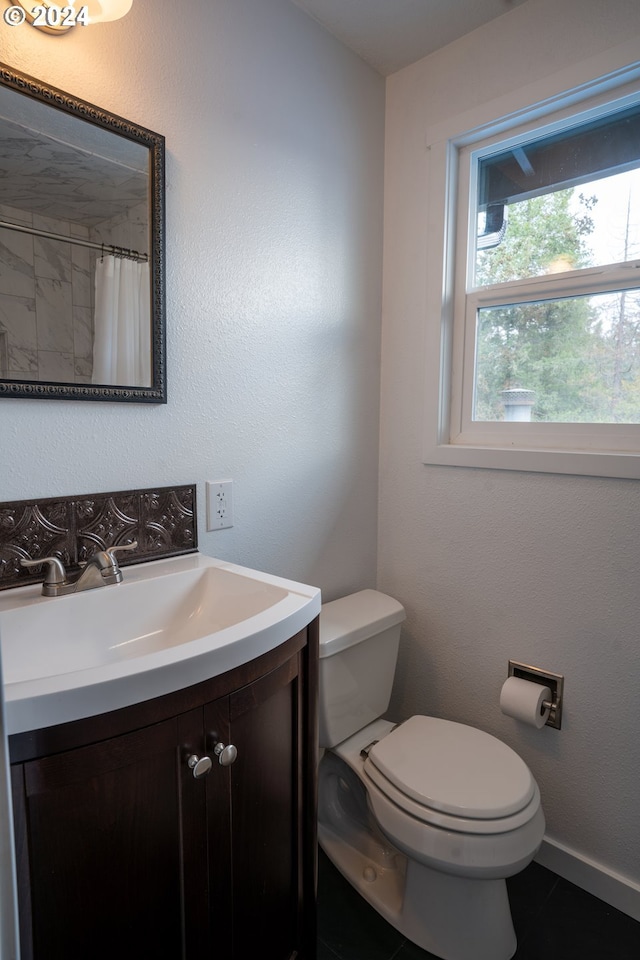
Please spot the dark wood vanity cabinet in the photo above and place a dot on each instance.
(123, 853)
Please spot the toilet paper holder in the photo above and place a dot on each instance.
(555, 682)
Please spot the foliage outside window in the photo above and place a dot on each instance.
(579, 356)
(539, 346)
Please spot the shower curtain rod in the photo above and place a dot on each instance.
(103, 247)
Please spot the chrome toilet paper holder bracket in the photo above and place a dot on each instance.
(555, 682)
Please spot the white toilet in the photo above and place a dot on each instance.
(426, 819)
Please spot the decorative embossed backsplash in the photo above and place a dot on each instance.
(161, 519)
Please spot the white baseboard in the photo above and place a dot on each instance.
(616, 890)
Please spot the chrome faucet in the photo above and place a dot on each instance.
(100, 569)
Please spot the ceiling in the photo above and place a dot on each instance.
(390, 34)
(65, 168)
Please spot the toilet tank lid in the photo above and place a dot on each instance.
(351, 619)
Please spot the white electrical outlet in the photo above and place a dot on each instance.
(219, 505)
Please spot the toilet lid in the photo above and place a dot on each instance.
(453, 768)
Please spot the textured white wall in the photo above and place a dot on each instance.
(274, 180)
(274, 136)
(489, 564)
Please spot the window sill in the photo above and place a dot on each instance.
(624, 466)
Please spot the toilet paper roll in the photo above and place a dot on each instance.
(524, 700)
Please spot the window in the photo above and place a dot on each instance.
(540, 352)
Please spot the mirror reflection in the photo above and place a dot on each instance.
(81, 211)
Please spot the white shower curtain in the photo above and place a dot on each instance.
(122, 323)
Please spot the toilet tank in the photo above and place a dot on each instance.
(359, 638)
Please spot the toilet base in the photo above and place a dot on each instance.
(455, 918)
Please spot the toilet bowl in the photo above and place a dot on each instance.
(427, 818)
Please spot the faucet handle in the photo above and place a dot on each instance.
(111, 551)
(55, 572)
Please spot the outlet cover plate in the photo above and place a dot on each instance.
(219, 504)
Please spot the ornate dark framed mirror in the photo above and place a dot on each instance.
(82, 235)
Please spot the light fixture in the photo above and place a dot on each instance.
(101, 10)
(58, 18)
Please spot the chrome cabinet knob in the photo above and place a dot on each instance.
(226, 755)
(200, 766)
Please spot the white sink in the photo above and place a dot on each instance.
(171, 623)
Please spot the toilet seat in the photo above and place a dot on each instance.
(457, 846)
(453, 776)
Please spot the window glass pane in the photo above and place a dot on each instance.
(560, 361)
(561, 202)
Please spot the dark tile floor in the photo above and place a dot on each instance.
(554, 920)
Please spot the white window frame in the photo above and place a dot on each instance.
(451, 437)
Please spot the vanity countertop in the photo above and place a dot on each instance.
(170, 624)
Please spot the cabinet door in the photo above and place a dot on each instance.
(264, 802)
(102, 836)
